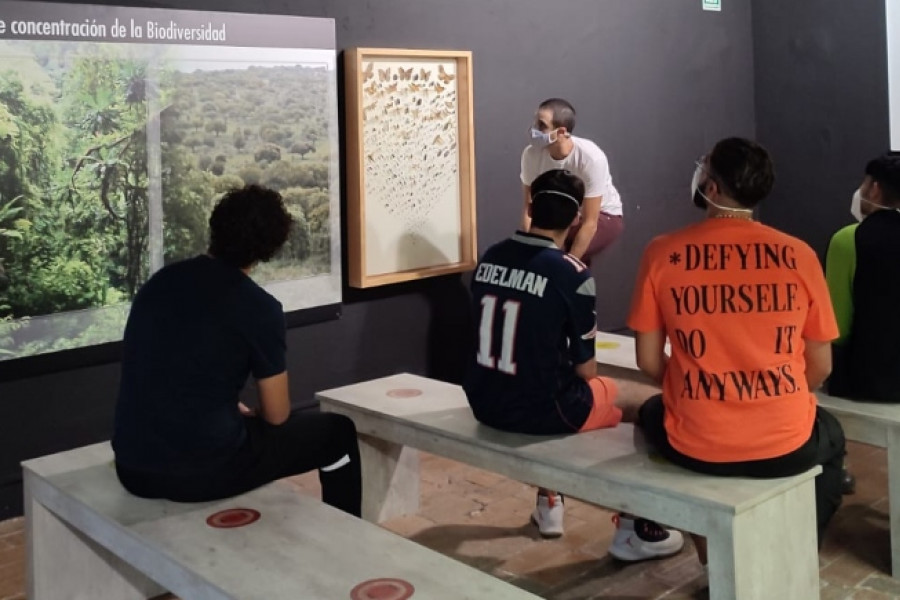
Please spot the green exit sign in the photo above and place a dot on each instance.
(712, 5)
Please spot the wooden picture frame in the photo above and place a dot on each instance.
(410, 164)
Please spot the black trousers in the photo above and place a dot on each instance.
(304, 442)
(825, 447)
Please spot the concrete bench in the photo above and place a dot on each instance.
(872, 423)
(761, 533)
(88, 538)
(877, 424)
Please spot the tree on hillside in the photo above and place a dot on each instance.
(302, 148)
(217, 127)
(267, 153)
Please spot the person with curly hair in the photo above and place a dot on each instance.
(197, 330)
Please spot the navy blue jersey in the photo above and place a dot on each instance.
(535, 318)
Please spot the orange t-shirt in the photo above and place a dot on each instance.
(736, 299)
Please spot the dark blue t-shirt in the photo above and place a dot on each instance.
(536, 320)
(196, 330)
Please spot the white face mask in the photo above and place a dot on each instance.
(856, 205)
(541, 139)
(697, 197)
(700, 199)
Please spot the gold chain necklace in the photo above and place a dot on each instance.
(730, 216)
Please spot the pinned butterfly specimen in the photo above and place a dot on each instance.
(444, 76)
(415, 87)
(391, 88)
(405, 73)
(438, 140)
(439, 88)
(424, 75)
(384, 74)
(369, 72)
(371, 88)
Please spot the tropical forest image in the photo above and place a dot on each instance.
(83, 219)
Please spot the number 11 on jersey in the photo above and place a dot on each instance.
(485, 357)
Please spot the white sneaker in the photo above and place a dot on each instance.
(639, 539)
(548, 515)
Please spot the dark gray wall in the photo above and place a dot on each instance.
(655, 83)
(821, 107)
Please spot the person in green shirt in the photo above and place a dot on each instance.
(862, 268)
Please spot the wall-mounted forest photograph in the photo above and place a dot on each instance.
(113, 155)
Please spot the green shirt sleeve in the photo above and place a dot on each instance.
(840, 267)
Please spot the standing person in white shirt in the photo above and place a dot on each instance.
(554, 147)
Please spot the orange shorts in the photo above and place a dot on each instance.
(604, 412)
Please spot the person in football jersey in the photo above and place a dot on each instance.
(534, 369)
(554, 147)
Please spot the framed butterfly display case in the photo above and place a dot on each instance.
(410, 164)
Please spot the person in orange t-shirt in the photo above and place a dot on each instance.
(747, 311)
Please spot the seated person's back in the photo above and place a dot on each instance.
(198, 328)
(534, 304)
(863, 272)
(747, 311)
(535, 370)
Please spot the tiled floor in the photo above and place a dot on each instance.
(482, 519)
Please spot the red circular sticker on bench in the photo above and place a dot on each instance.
(404, 393)
(233, 517)
(382, 589)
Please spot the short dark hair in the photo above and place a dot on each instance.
(885, 170)
(563, 112)
(744, 169)
(248, 225)
(556, 198)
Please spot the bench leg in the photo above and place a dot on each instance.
(64, 564)
(893, 472)
(390, 479)
(767, 552)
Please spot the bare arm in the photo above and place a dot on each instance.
(587, 370)
(525, 223)
(650, 352)
(590, 212)
(818, 362)
(274, 399)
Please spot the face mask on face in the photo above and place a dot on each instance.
(699, 198)
(856, 205)
(696, 195)
(541, 139)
